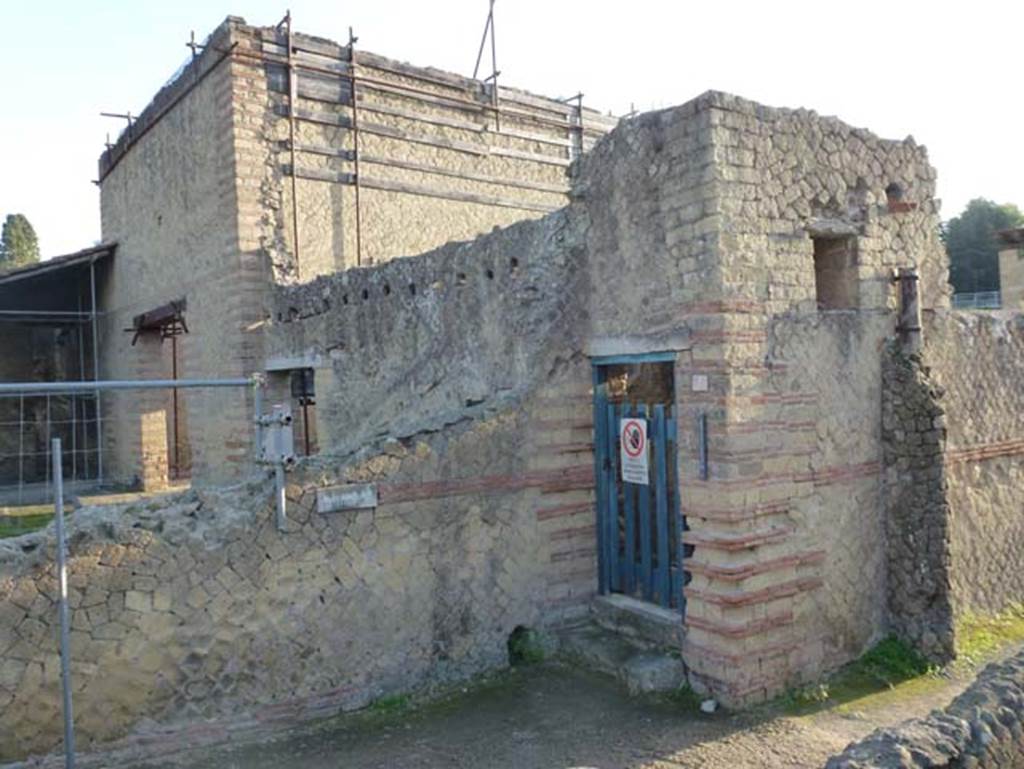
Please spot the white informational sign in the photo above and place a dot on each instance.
(633, 452)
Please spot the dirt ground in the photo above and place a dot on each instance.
(559, 717)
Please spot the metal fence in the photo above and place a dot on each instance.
(93, 422)
(28, 424)
(978, 300)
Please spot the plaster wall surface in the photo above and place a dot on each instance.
(977, 359)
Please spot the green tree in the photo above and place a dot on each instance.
(972, 244)
(19, 245)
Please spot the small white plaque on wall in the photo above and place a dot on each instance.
(350, 496)
(700, 383)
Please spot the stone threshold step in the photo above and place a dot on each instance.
(640, 669)
(641, 623)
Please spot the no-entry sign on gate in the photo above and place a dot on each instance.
(633, 451)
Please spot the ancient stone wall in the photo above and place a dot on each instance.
(693, 241)
(917, 512)
(198, 193)
(436, 161)
(981, 729)
(757, 245)
(977, 362)
(168, 198)
(197, 607)
(418, 344)
(784, 564)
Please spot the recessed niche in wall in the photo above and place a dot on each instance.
(835, 272)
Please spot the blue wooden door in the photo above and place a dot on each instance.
(639, 525)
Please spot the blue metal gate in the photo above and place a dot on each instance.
(640, 527)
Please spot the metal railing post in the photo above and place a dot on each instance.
(65, 621)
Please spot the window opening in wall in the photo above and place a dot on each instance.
(835, 273)
(303, 391)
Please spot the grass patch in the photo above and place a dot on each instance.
(684, 698)
(888, 664)
(390, 704)
(525, 647)
(23, 524)
(978, 637)
(15, 521)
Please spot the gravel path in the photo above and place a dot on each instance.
(552, 716)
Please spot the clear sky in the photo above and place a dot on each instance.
(948, 73)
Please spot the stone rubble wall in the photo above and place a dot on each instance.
(983, 728)
(953, 436)
(917, 510)
(195, 608)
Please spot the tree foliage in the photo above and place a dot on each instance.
(972, 244)
(19, 245)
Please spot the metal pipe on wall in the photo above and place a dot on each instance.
(38, 388)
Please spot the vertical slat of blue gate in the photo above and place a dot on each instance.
(629, 513)
(600, 480)
(677, 516)
(612, 522)
(644, 493)
(661, 507)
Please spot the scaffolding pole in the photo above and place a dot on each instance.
(96, 375)
(293, 96)
(355, 145)
(65, 619)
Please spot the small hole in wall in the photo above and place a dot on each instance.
(460, 279)
(344, 298)
(513, 264)
(387, 290)
(894, 193)
(490, 274)
(366, 294)
(412, 289)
